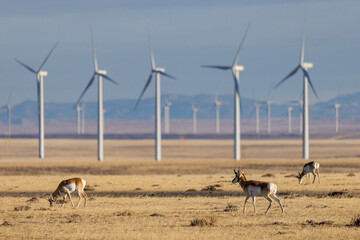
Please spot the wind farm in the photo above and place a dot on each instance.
(200, 125)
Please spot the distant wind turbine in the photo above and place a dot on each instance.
(82, 106)
(235, 69)
(337, 106)
(40, 74)
(304, 66)
(8, 107)
(217, 105)
(194, 111)
(268, 103)
(100, 74)
(157, 71)
(167, 106)
(78, 110)
(289, 119)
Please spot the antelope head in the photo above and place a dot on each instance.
(237, 176)
(300, 177)
(52, 201)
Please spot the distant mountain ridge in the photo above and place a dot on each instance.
(123, 109)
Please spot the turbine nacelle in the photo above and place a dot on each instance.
(336, 105)
(238, 68)
(101, 72)
(158, 69)
(42, 73)
(307, 65)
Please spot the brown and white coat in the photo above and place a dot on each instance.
(310, 167)
(67, 187)
(254, 188)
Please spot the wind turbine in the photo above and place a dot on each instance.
(194, 111)
(100, 74)
(304, 66)
(235, 69)
(78, 110)
(256, 108)
(82, 106)
(40, 74)
(337, 106)
(217, 104)
(268, 103)
(167, 106)
(8, 107)
(157, 71)
(289, 119)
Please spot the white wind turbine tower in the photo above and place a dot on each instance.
(78, 110)
(289, 119)
(157, 71)
(217, 105)
(304, 66)
(40, 74)
(8, 107)
(82, 107)
(235, 69)
(268, 103)
(194, 111)
(336, 106)
(100, 74)
(167, 106)
(257, 112)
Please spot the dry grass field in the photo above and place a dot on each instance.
(188, 195)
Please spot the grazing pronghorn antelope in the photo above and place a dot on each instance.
(256, 188)
(311, 167)
(67, 187)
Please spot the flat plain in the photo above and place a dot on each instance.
(188, 195)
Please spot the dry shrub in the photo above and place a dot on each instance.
(33, 199)
(355, 221)
(212, 188)
(75, 218)
(339, 194)
(206, 221)
(313, 223)
(22, 208)
(231, 208)
(291, 175)
(5, 223)
(137, 189)
(351, 175)
(268, 175)
(156, 215)
(124, 213)
(191, 190)
(89, 188)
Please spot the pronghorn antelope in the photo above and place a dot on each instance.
(311, 167)
(256, 188)
(67, 187)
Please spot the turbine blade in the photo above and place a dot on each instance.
(167, 75)
(151, 51)
(241, 44)
(217, 67)
(289, 75)
(47, 57)
(302, 49)
(109, 79)
(93, 50)
(143, 91)
(26, 66)
(82, 94)
(252, 112)
(311, 85)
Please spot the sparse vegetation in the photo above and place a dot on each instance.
(355, 221)
(268, 175)
(206, 221)
(115, 208)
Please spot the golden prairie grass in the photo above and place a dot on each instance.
(138, 198)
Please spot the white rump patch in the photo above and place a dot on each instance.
(272, 188)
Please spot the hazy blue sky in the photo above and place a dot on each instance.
(184, 36)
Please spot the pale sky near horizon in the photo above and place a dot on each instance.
(184, 36)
